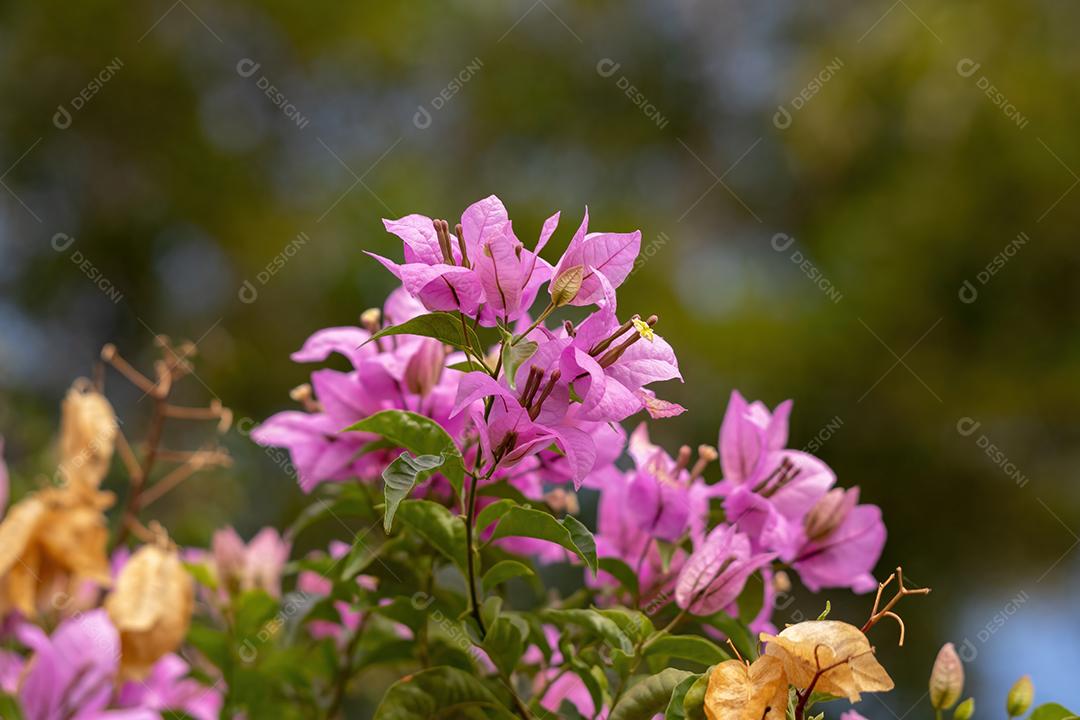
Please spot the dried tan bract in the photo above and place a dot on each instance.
(151, 606)
(87, 435)
(738, 691)
(50, 543)
(833, 657)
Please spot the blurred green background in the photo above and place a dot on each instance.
(815, 185)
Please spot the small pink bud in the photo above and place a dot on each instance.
(425, 367)
(830, 512)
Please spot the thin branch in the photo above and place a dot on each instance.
(877, 615)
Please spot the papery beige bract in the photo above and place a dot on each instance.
(51, 543)
(87, 435)
(151, 606)
(841, 650)
(738, 691)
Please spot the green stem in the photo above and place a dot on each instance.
(541, 318)
(345, 671)
(470, 563)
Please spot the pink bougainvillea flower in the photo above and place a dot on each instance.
(510, 274)
(612, 362)
(610, 255)
(433, 271)
(256, 565)
(770, 506)
(717, 571)
(660, 494)
(619, 535)
(404, 372)
(168, 690)
(842, 542)
(72, 674)
(748, 433)
(482, 269)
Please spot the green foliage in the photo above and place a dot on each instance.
(695, 648)
(401, 476)
(439, 325)
(521, 521)
(514, 355)
(504, 570)
(441, 692)
(441, 529)
(420, 435)
(649, 696)
(675, 709)
(1052, 711)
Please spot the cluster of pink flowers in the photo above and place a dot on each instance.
(779, 505)
(555, 418)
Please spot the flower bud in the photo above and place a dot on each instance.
(425, 367)
(946, 679)
(1020, 697)
(830, 512)
(87, 435)
(964, 710)
(151, 606)
(566, 286)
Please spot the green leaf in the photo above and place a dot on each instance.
(694, 700)
(440, 692)
(420, 435)
(492, 512)
(400, 477)
(623, 573)
(583, 540)
(9, 707)
(675, 709)
(502, 571)
(825, 613)
(514, 355)
(1052, 711)
(202, 574)
(593, 622)
(441, 529)
(634, 623)
(687, 647)
(648, 697)
(439, 325)
(505, 642)
(569, 532)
